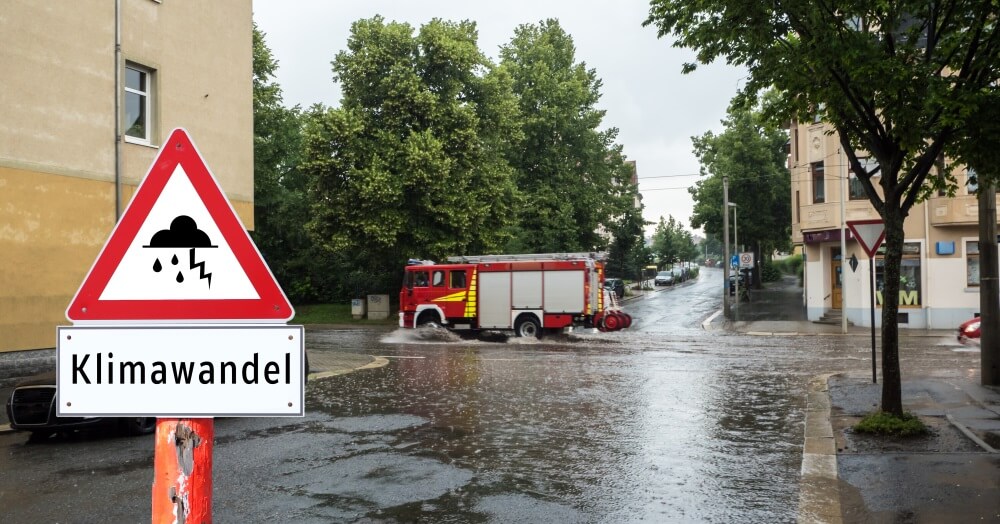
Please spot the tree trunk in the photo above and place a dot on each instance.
(892, 398)
(989, 288)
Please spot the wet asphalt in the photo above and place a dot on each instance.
(664, 422)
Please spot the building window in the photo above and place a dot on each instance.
(819, 186)
(971, 182)
(909, 275)
(855, 191)
(138, 104)
(972, 263)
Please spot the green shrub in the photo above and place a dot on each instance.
(792, 265)
(882, 423)
(770, 272)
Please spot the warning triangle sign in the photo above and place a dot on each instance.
(179, 253)
(869, 233)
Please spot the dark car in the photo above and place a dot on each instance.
(615, 285)
(969, 332)
(32, 407)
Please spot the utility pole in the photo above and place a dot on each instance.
(989, 287)
(725, 246)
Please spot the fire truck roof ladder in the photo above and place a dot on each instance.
(475, 259)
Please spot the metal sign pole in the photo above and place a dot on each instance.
(871, 285)
(182, 476)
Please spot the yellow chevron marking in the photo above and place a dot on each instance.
(454, 297)
(470, 304)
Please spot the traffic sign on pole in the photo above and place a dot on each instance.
(179, 253)
(869, 233)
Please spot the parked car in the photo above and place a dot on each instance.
(615, 285)
(968, 332)
(664, 278)
(32, 407)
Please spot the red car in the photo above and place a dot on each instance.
(968, 332)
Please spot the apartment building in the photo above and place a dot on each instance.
(940, 267)
(76, 77)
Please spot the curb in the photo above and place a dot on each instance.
(377, 363)
(819, 489)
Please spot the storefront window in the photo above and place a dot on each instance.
(909, 275)
(972, 263)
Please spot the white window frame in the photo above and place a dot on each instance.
(147, 97)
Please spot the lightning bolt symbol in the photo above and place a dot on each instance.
(201, 269)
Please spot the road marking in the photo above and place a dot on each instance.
(708, 321)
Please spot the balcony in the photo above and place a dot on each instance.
(960, 210)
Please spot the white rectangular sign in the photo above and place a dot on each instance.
(180, 371)
(746, 260)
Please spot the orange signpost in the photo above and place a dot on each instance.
(182, 471)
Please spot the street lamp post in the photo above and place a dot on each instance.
(725, 246)
(736, 248)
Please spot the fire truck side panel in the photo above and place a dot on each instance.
(494, 300)
(564, 292)
(527, 290)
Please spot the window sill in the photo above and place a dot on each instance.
(143, 143)
(972, 289)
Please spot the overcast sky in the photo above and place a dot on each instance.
(655, 108)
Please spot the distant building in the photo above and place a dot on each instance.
(940, 267)
(61, 176)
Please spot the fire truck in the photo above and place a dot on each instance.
(528, 294)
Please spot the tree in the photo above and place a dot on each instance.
(750, 152)
(413, 163)
(672, 243)
(896, 79)
(571, 175)
(280, 202)
(627, 253)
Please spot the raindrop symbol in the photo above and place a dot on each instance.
(157, 266)
(180, 277)
(174, 260)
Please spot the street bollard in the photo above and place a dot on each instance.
(182, 472)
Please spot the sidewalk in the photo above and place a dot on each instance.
(952, 475)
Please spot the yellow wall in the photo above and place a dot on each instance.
(57, 133)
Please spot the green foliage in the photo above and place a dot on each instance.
(770, 272)
(899, 81)
(750, 152)
(572, 178)
(672, 243)
(882, 423)
(413, 163)
(280, 200)
(791, 265)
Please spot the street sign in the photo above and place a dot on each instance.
(179, 253)
(746, 260)
(853, 262)
(735, 260)
(180, 371)
(869, 233)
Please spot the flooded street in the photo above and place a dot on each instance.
(663, 422)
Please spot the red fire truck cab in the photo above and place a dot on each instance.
(529, 294)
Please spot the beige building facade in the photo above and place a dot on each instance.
(64, 176)
(939, 284)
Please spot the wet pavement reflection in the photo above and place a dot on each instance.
(660, 422)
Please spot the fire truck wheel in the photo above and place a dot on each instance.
(628, 321)
(528, 327)
(599, 322)
(612, 321)
(428, 317)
